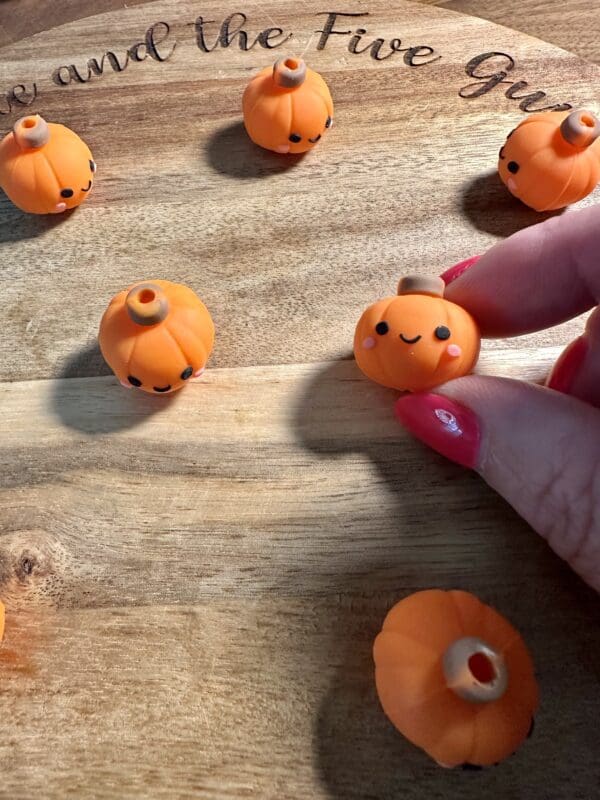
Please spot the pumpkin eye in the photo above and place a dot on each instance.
(513, 167)
(93, 166)
(328, 122)
(134, 381)
(67, 193)
(382, 328)
(187, 373)
(442, 332)
(294, 137)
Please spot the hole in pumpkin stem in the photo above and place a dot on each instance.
(147, 295)
(482, 668)
(30, 122)
(587, 120)
(291, 63)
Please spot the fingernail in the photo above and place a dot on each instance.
(457, 270)
(448, 427)
(566, 369)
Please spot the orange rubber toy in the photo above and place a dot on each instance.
(288, 107)
(416, 340)
(156, 335)
(45, 168)
(455, 678)
(552, 159)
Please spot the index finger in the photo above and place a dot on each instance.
(537, 278)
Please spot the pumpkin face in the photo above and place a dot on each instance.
(455, 678)
(552, 159)
(288, 107)
(416, 340)
(45, 168)
(156, 335)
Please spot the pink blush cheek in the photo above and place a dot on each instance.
(454, 350)
(126, 385)
(368, 343)
(511, 183)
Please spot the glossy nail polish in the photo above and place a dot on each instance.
(458, 269)
(448, 427)
(566, 369)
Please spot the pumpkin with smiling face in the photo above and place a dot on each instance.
(45, 168)
(287, 108)
(416, 340)
(156, 335)
(455, 678)
(552, 159)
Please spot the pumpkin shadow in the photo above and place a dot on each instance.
(491, 208)
(16, 225)
(87, 401)
(230, 151)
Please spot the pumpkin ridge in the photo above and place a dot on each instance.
(381, 364)
(574, 162)
(52, 170)
(180, 346)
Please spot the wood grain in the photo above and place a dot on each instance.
(193, 583)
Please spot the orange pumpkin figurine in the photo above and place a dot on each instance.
(552, 159)
(455, 678)
(288, 107)
(45, 168)
(156, 335)
(1, 620)
(416, 340)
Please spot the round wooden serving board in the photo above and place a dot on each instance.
(193, 583)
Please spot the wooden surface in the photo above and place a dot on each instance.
(193, 583)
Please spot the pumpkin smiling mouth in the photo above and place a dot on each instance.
(162, 389)
(315, 140)
(410, 341)
(89, 186)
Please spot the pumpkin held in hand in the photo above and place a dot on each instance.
(416, 340)
(288, 107)
(455, 678)
(552, 159)
(45, 168)
(156, 335)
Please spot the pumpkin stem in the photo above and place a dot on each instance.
(474, 670)
(31, 132)
(289, 73)
(421, 284)
(147, 304)
(581, 128)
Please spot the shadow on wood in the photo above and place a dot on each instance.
(95, 407)
(230, 151)
(16, 225)
(491, 208)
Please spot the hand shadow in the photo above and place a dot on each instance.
(452, 531)
(98, 405)
(491, 208)
(230, 151)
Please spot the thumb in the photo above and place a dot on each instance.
(539, 449)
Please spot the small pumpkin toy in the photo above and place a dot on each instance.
(552, 159)
(455, 678)
(416, 340)
(156, 335)
(288, 107)
(45, 168)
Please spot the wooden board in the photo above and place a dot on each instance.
(193, 583)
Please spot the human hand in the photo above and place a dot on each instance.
(539, 447)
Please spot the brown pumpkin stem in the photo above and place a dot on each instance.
(147, 304)
(289, 73)
(421, 284)
(581, 128)
(31, 132)
(474, 670)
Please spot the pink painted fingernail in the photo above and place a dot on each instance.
(457, 270)
(566, 369)
(448, 427)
